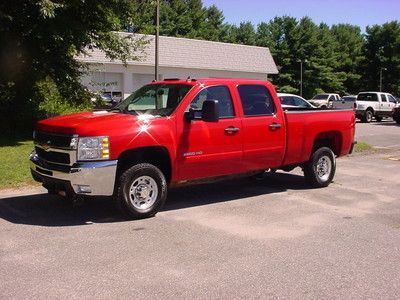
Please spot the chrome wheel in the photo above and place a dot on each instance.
(369, 116)
(323, 168)
(143, 192)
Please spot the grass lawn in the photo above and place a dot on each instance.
(14, 166)
(361, 147)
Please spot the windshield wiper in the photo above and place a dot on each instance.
(116, 109)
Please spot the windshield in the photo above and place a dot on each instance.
(154, 99)
(320, 97)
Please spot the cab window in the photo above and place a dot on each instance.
(256, 100)
(220, 93)
(392, 99)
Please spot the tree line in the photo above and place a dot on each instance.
(337, 59)
(39, 40)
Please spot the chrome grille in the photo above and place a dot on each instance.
(53, 140)
(54, 149)
(53, 156)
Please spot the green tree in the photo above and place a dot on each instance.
(214, 28)
(349, 46)
(39, 42)
(323, 63)
(382, 51)
(246, 34)
(280, 35)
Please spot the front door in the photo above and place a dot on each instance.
(208, 149)
(385, 106)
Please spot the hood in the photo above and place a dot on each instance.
(86, 123)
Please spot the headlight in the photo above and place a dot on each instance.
(93, 148)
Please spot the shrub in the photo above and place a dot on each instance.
(52, 103)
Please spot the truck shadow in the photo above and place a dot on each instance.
(50, 210)
(392, 123)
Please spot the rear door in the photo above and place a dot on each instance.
(264, 132)
(208, 149)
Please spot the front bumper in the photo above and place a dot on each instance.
(89, 178)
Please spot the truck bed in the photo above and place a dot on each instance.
(305, 126)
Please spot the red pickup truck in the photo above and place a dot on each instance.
(181, 131)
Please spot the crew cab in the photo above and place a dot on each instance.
(324, 100)
(174, 132)
(376, 105)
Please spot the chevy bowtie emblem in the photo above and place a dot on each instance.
(46, 146)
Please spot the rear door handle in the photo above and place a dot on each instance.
(231, 130)
(275, 126)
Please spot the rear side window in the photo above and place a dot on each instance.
(256, 100)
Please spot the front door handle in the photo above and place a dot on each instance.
(275, 126)
(231, 130)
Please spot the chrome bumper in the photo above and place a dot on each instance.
(90, 178)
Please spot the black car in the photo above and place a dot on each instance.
(396, 114)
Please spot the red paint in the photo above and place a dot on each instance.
(203, 149)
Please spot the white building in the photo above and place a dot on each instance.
(178, 58)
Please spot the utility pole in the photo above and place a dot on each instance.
(301, 61)
(157, 39)
(380, 78)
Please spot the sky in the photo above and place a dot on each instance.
(355, 12)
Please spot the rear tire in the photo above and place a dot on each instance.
(141, 192)
(367, 117)
(320, 169)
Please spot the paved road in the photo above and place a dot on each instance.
(385, 134)
(237, 239)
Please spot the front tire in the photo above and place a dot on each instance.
(141, 192)
(320, 169)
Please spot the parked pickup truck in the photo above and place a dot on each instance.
(324, 100)
(347, 102)
(173, 132)
(374, 105)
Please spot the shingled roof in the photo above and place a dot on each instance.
(198, 54)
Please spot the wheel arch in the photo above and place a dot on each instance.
(155, 155)
(370, 108)
(330, 139)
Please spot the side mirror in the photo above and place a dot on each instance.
(210, 111)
